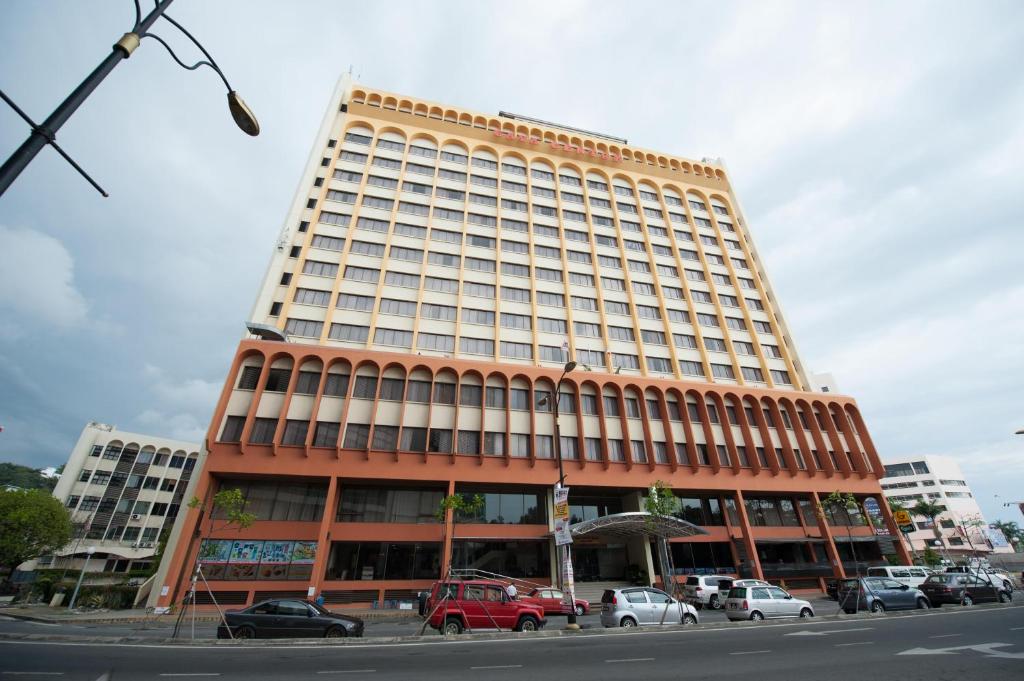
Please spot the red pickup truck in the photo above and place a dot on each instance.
(480, 604)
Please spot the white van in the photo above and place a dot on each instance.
(911, 575)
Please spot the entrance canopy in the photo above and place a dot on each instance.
(637, 524)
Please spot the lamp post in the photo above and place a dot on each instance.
(46, 132)
(88, 554)
(564, 552)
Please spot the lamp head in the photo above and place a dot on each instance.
(91, 550)
(569, 366)
(245, 119)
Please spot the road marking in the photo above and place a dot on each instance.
(1016, 628)
(987, 649)
(347, 671)
(194, 674)
(945, 636)
(33, 673)
(826, 633)
(500, 666)
(859, 643)
(751, 652)
(631, 659)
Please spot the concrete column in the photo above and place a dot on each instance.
(449, 528)
(748, 536)
(323, 538)
(826, 533)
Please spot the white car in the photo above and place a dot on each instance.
(764, 602)
(707, 590)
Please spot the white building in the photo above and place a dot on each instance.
(962, 526)
(122, 490)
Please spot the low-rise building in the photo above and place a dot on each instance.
(122, 490)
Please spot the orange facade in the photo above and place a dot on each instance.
(792, 421)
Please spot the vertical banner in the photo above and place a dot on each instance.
(561, 516)
(569, 589)
(875, 516)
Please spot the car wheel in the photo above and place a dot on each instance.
(1008, 585)
(580, 612)
(245, 632)
(1004, 597)
(806, 612)
(715, 603)
(966, 600)
(878, 607)
(627, 623)
(336, 632)
(689, 619)
(452, 627)
(923, 604)
(756, 616)
(527, 623)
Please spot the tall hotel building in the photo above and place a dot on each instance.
(437, 269)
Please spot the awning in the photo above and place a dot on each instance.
(837, 539)
(637, 524)
(789, 540)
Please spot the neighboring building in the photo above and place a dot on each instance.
(436, 270)
(824, 383)
(963, 528)
(122, 490)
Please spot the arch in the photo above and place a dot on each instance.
(424, 140)
(465, 119)
(420, 109)
(405, 106)
(390, 103)
(542, 165)
(451, 116)
(373, 100)
(480, 122)
(436, 112)
(486, 153)
(455, 146)
(392, 134)
(359, 96)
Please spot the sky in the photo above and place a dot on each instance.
(877, 150)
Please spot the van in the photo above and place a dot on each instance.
(911, 575)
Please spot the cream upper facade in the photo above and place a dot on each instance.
(424, 230)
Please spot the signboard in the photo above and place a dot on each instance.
(568, 588)
(874, 512)
(996, 538)
(561, 515)
(905, 522)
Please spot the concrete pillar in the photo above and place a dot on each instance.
(323, 537)
(826, 533)
(748, 537)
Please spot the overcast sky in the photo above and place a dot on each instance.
(877, 149)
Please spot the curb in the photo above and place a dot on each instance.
(435, 638)
(170, 617)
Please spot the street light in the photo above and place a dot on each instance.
(569, 366)
(46, 132)
(88, 554)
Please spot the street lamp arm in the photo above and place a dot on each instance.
(210, 61)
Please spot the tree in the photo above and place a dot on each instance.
(16, 475)
(662, 501)
(930, 558)
(1013, 533)
(457, 504)
(931, 511)
(32, 523)
(845, 502)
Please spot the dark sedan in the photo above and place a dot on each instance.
(961, 589)
(289, 619)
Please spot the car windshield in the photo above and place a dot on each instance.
(692, 581)
(319, 608)
(938, 579)
(608, 596)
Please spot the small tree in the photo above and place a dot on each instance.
(32, 523)
(845, 502)
(930, 557)
(662, 501)
(457, 504)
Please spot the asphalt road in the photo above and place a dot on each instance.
(961, 644)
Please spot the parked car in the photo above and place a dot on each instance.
(994, 574)
(553, 602)
(832, 589)
(709, 590)
(480, 604)
(764, 602)
(911, 575)
(964, 589)
(637, 606)
(289, 619)
(879, 594)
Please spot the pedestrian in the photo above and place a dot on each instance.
(320, 599)
(511, 589)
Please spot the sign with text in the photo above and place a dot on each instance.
(561, 516)
(874, 512)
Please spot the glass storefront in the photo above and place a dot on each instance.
(520, 558)
(383, 560)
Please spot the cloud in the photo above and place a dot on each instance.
(37, 281)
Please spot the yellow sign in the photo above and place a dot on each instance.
(902, 518)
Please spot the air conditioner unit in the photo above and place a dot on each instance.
(136, 516)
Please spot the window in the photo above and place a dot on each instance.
(378, 202)
(349, 332)
(615, 307)
(307, 383)
(441, 312)
(643, 288)
(395, 337)
(518, 295)
(582, 303)
(714, 344)
(743, 347)
(262, 432)
(410, 254)
(609, 261)
(417, 188)
(495, 397)
(782, 377)
(435, 341)
(516, 350)
(580, 279)
(353, 156)
(516, 321)
(402, 308)
(735, 323)
(336, 385)
(752, 374)
(452, 157)
(476, 346)
(722, 371)
(625, 361)
(443, 259)
(611, 284)
(684, 340)
(654, 337)
(514, 246)
(551, 325)
(295, 432)
(366, 248)
(366, 274)
(303, 327)
(550, 299)
(473, 316)
(659, 365)
(588, 329)
(700, 296)
(478, 290)
(690, 368)
(455, 175)
(439, 440)
(707, 319)
(320, 269)
(648, 312)
(418, 391)
(771, 351)
(546, 252)
(638, 266)
(308, 296)
(435, 284)
(616, 451)
(480, 264)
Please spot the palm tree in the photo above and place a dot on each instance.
(931, 510)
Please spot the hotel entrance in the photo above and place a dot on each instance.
(599, 562)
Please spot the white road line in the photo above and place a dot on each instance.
(33, 673)
(750, 652)
(860, 643)
(500, 666)
(1016, 628)
(945, 635)
(194, 674)
(347, 671)
(631, 659)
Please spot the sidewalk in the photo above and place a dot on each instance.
(46, 614)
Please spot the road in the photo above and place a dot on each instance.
(962, 644)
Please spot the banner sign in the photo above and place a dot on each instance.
(904, 520)
(874, 512)
(568, 588)
(561, 515)
(996, 538)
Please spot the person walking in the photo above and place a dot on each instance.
(512, 592)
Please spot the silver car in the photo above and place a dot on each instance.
(764, 602)
(642, 605)
(707, 590)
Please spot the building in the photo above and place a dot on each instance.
(963, 530)
(437, 269)
(122, 491)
